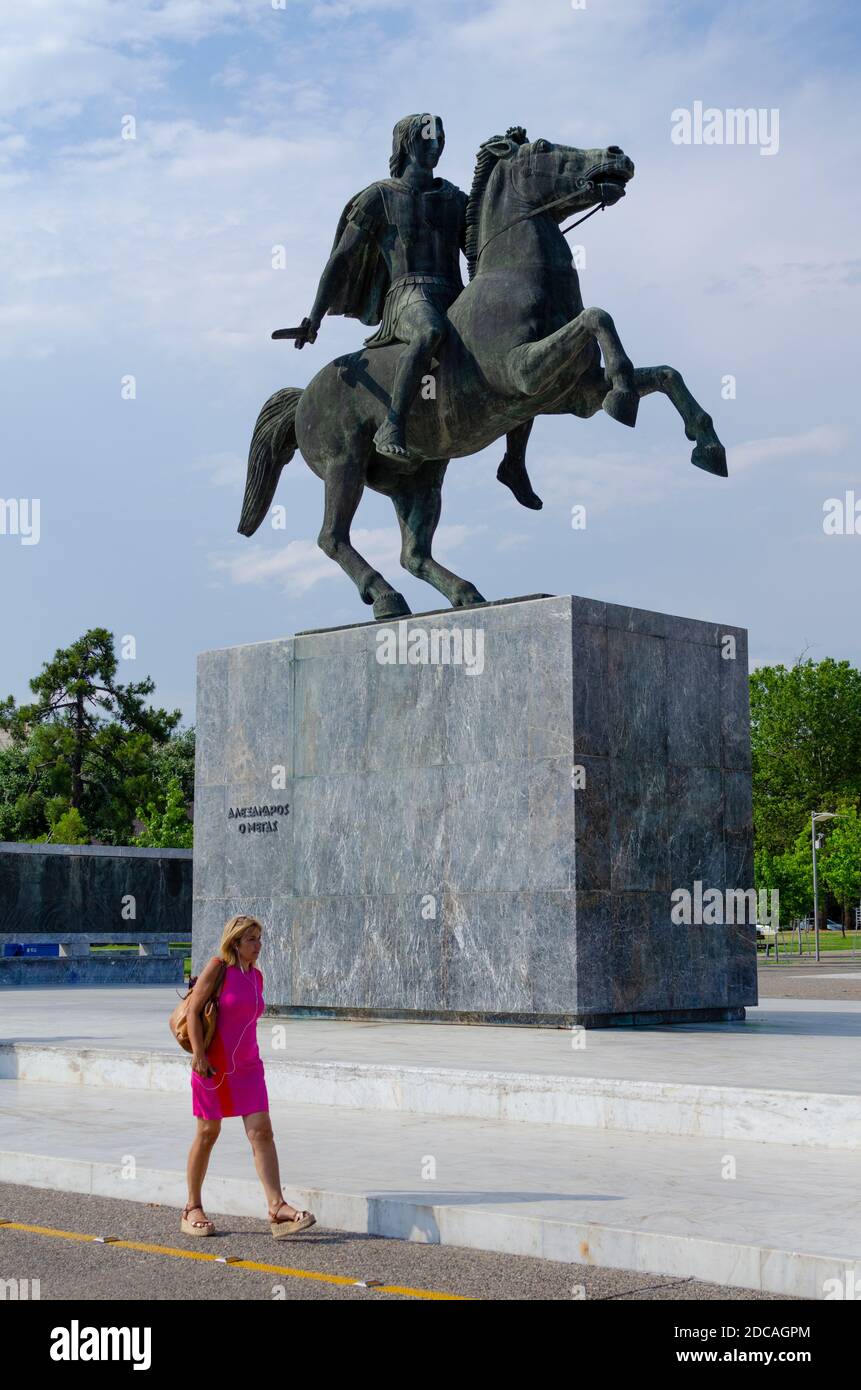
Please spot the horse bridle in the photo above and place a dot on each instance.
(544, 207)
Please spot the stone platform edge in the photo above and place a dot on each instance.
(638, 1018)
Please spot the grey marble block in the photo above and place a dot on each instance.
(498, 844)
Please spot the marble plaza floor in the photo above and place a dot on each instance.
(783, 1044)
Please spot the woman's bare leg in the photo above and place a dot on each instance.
(258, 1127)
(198, 1158)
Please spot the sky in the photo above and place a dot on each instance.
(155, 258)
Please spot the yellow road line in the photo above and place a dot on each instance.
(234, 1264)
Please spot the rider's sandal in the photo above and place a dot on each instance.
(289, 1225)
(195, 1228)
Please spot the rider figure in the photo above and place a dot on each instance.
(396, 258)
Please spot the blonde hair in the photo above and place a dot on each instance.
(233, 930)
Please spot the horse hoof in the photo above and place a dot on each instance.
(469, 600)
(711, 457)
(622, 406)
(391, 605)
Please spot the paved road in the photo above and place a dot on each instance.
(830, 978)
(319, 1265)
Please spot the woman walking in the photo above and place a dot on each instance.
(229, 1079)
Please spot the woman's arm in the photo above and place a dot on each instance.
(197, 999)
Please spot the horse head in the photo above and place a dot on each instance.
(517, 179)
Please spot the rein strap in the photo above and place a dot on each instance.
(534, 213)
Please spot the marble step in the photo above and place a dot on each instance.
(765, 1115)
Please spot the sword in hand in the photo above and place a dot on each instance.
(305, 333)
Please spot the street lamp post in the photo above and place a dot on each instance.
(814, 817)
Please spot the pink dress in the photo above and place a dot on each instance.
(239, 1086)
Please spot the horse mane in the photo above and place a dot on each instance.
(484, 166)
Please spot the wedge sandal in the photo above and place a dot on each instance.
(289, 1225)
(196, 1228)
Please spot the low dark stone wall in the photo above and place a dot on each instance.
(74, 888)
(18, 972)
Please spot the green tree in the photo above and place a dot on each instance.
(167, 827)
(67, 828)
(839, 860)
(791, 873)
(175, 759)
(88, 738)
(24, 796)
(806, 746)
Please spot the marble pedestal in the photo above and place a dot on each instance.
(494, 839)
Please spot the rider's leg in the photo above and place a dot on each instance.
(512, 471)
(421, 327)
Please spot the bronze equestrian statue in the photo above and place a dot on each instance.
(517, 343)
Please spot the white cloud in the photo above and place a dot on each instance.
(607, 479)
(822, 440)
(224, 470)
(173, 232)
(326, 10)
(301, 564)
(56, 56)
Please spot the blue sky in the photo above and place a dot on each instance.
(254, 125)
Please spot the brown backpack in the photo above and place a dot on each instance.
(178, 1021)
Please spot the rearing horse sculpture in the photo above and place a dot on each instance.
(520, 344)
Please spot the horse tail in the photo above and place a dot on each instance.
(273, 444)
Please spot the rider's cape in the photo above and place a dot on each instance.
(363, 295)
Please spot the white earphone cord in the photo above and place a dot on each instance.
(238, 1041)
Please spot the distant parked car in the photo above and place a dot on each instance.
(833, 926)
